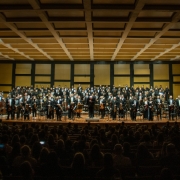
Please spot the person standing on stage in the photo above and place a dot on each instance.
(171, 107)
(158, 103)
(178, 105)
(58, 107)
(150, 109)
(91, 101)
(71, 106)
(166, 93)
(34, 107)
(10, 107)
(133, 108)
(102, 104)
(114, 105)
(145, 108)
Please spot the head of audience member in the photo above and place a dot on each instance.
(43, 155)
(25, 151)
(108, 160)
(170, 149)
(78, 161)
(118, 149)
(166, 174)
(26, 170)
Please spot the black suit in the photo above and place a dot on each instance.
(134, 105)
(10, 107)
(171, 108)
(90, 102)
(178, 106)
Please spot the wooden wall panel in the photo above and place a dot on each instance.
(6, 74)
(121, 69)
(141, 69)
(5, 88)
(84, 86)
(62, 84)
(140, 85)
(39, 85)
(141, 79)
(175, 68)
(164, 84)
(102, 74)
(23, 69)
(82, 69)
(81, 79)
(42, 78)
(43, 69)
(62, 71)
(141, 66)
(161, 71)
(176, 78)
(122, 81)
(176, 92)
(23, 81)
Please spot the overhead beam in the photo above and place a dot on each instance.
(134, 15)
(22, 35)
(15, 50)
(87, 7)
(166, 27)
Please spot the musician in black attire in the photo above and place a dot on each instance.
(122, 107)
(150, 109)
(114, 106)
(26, 112)
(158, 103)
(34, 107)
(102, 104)
(178, 105)
(90, 102)
(50, 109)
(71, 106)
(59, 109)
(10, 107)
(171, 107)
(134, 105)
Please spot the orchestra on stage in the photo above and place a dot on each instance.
(114, 102)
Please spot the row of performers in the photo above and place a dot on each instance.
(106, 91)
(116, 105)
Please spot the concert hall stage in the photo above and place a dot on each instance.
(85, 119)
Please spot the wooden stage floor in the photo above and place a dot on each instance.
(85, 119)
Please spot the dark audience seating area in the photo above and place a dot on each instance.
(124, 152)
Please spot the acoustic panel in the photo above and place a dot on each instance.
(42, 78)
(176, 69)
(102, 74)
(23, 69)
(6, 74)
(62, 71)
(141, 79)
(43, 69)
(23, 81)
(121, 69)
(122, 81)
(82, 69)
(81, 79)
(161, 71)
(62, 84)
(176, 88)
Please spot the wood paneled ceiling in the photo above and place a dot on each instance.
(90, 30)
